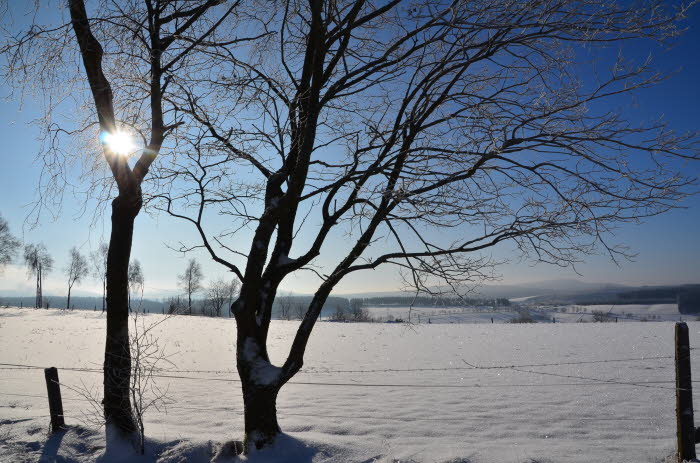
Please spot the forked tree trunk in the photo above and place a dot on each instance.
(259, 392)
(117, 367)
(68, 301)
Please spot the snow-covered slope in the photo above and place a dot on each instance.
(369, 392)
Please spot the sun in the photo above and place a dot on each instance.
(119, 142)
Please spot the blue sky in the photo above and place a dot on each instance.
(667, 247)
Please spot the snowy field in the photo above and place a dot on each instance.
(576, 392)
(441, 314)
(560, 314)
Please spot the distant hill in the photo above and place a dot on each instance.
(686, 296)
(540, 288)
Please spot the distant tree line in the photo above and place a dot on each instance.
(428, 301)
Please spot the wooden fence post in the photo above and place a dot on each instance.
(684, 396)
(55, 404)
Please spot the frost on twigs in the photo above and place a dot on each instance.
(148, 356)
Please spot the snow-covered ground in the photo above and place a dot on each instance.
(559, 314)
(370, 392)
(441, 314)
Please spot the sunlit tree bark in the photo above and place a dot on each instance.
(130, 52)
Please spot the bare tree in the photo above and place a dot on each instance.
(136, 281)
(39, 263)
(285, 306)
(76, 270)
(340, 314)
(298, 308)
(8, 244)
(191, 281)
(148, 356)
(220, 294)
(134, 55)
(438, 129)
(99, 269)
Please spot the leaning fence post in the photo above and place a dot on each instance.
(55, 405)
(684, 396)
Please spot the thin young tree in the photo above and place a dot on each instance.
(419, 135)
(8, 244)
(191, 281)
(76, 270)
(99, 269)
(39, 263)
(131, 54)
(136, 280)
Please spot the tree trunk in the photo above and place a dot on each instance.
(104, 292)
(260, 415)
(260, 389)
(120, 422)
(38, 302)
(68, 301)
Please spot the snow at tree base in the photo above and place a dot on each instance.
(569, 392)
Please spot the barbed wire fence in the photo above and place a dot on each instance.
(83, 401)
(525, 368)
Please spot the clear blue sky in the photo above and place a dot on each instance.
(668, 246)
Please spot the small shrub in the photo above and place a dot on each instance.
(524, 316)
(602, 317)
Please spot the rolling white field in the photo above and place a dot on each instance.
(570, 314)
(603, 395)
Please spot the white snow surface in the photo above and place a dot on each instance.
(530, 414)
(560, 313)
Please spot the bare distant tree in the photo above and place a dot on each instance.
(340, 313)
(419, 135)
(285, 306)
(8, 244)
(76, 270)
(134, 55)
(298, 308)
(136, 280)
(359, 313)
(174, 306)
(220, 294)
(39, 263)
(191, 281)
(99, 268)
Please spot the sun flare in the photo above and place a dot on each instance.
(119, 142)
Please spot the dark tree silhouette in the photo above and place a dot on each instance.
(39, 264)
(76, 270)
(416, 135)
(132, 55)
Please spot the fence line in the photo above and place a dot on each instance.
(470, 366)
(15, 366)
